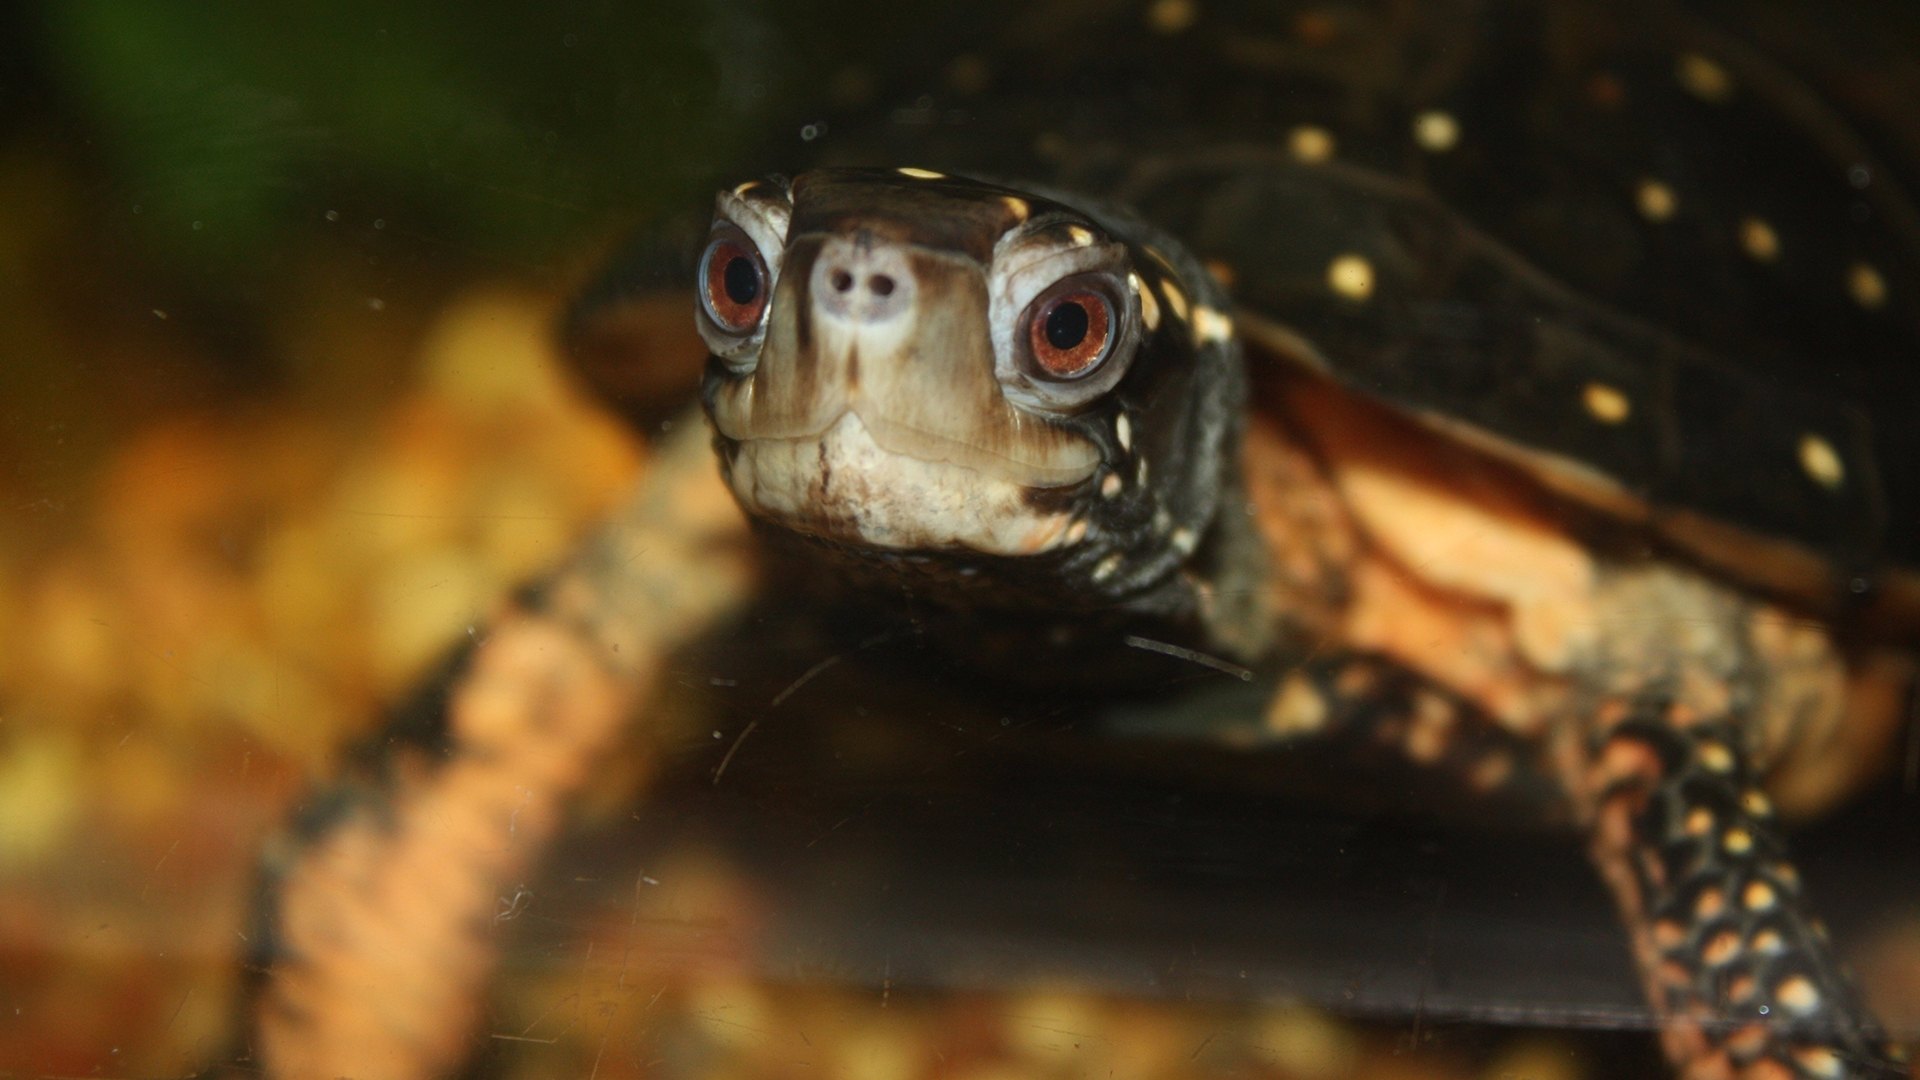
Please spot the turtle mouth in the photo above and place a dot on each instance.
(892, 486)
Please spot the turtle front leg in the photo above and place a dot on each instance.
(385, 921)
(1738, 968)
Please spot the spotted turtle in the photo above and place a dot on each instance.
(1528, 389)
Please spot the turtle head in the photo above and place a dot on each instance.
(1011, 402)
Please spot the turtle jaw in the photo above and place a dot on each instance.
(844, 485)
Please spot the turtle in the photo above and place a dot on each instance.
(1525, 389)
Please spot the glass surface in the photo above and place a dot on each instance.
(282, 423)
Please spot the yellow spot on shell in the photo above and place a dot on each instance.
(1821, 462)
(742, 189)
(1436, 131)
(1759, 241)
(1221, 273)
(1310, 144)
(1211, 326)
(1020, 208)
(1715, 757)
(1606, 404)
(1107, 568)
(1866, 286)
(1077, 531)
(1351, 276)
(1703, 78)
(1176, 300)
(1737, 841)
(1768, 941)
(1656, 201)
(1758, 896)
(1755, 802)
(921, 174)
(1149, 307)
(1172, 16)
(1110, 486)
(1081, 237)
(1123, 431)
(1797, 993)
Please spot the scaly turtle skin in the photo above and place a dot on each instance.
(1525, 388)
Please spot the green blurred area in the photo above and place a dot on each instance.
(496, 131)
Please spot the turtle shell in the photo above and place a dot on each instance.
(1614, 244)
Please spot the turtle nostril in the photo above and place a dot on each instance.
(862, 285)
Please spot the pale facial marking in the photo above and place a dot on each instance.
(1149, 307)
(1176, 300)
(1210, 326)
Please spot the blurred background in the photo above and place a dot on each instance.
(279, 420)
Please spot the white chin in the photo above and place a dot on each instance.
(844, 486)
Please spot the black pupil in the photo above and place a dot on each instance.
(1067, 325)
(742, 280)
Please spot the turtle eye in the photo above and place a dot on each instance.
(1070, 329)
(733, 282)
